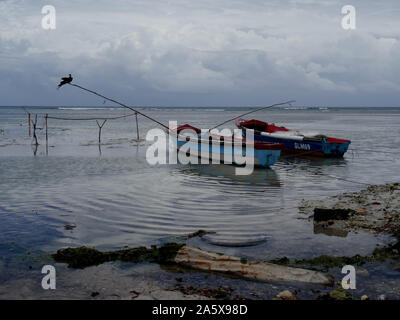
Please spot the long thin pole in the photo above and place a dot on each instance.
(244, 114)
(34, 131)
(121, 104)
(137, 128)
(161, 124)
(47, 136)
(29, 123)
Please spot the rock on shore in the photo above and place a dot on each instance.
(375, 209)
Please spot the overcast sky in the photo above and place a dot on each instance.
(203, 52)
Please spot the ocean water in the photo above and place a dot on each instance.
(113, 198)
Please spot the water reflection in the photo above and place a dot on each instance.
(313, 161)
(260, 176)
(35, 149)
(237, 208)
(333, 229)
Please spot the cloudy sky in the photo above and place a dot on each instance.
(203, 52)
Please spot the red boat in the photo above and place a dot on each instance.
(313, 144)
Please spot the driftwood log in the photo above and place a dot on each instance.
(249, 269)
(187, 256)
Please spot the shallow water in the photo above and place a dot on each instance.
(113, 198)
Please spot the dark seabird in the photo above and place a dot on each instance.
(65, 81)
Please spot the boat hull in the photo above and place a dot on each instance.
(227, 152)
(323, 149)
(321, 146)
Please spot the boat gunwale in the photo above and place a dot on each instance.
(257, 145)
(327, 140)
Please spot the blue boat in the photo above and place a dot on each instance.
(224, 149)
(295, 142)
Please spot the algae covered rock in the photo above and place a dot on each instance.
(340, 294)
(337, 294)
(80, 257)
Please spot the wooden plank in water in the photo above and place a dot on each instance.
(249, 269)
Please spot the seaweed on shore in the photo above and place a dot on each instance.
(83, 257)
(325, 262)
(198, 233)
(337, 294)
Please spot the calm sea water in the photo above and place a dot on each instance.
(113, 198)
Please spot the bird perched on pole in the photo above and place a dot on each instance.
(65, 81)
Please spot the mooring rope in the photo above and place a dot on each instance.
(373, 150)
(347, 180)
(337, 178)
(97, 118)
(334, 177)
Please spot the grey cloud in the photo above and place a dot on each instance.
(205, 52)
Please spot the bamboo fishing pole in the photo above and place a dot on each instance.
(161, 124)
(121, 104)
(259, 109)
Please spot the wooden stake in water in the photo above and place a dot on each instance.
(100, 127)
(29, 123)
(137, 128)
(34, 131)
(47, 136)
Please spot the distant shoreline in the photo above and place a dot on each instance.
(205, 107)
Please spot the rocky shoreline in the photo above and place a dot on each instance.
(375, 209)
